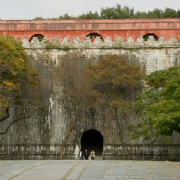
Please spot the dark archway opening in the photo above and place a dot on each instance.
(146, 36)
(94, 35)
(39, 36)
(92, 140)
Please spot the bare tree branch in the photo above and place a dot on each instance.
(7, 115)
(16, 121)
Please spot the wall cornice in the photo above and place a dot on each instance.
(98, 43)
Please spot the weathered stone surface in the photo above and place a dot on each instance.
(83, 170)
(41, 136)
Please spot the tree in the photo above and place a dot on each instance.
(108, 13)
(140, 15)
(158, 13)
(159, 105)
(89, 15)
(66, 16)
(178, 13)
(115, 79)
(126, 12)
(74, 95)
(39, 18)
(18, 83)
(170, 13)
(117, 12)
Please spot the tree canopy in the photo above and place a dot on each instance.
(119, 12)
(16, 76)
(116, 80)
(159, 105)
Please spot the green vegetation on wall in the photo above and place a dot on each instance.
(159, 105)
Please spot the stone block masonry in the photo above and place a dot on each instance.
(41, 136)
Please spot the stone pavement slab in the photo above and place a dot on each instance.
(86, 170)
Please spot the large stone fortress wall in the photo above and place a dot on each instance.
(81, 28)
(41, 136)
(156, 55)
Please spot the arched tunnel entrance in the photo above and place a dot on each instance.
(92, 140)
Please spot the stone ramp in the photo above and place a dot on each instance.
(86, 169)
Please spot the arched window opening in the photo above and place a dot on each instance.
(146, 36)
(39, 36)
(92, 140)
(93, 36)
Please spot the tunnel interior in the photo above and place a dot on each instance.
(92, 140)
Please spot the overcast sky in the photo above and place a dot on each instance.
(29, 9)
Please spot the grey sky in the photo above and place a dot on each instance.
(29, 9)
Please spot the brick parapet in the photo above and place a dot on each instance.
(93, 24)
(82, 28)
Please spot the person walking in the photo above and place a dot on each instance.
(86, 154)
(92, 155)
(80, 155)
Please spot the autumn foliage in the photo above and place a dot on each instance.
(116, 80)
(17, 77)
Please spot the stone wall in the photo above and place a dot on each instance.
(41, 136)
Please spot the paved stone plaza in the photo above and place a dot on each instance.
(84, 170)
